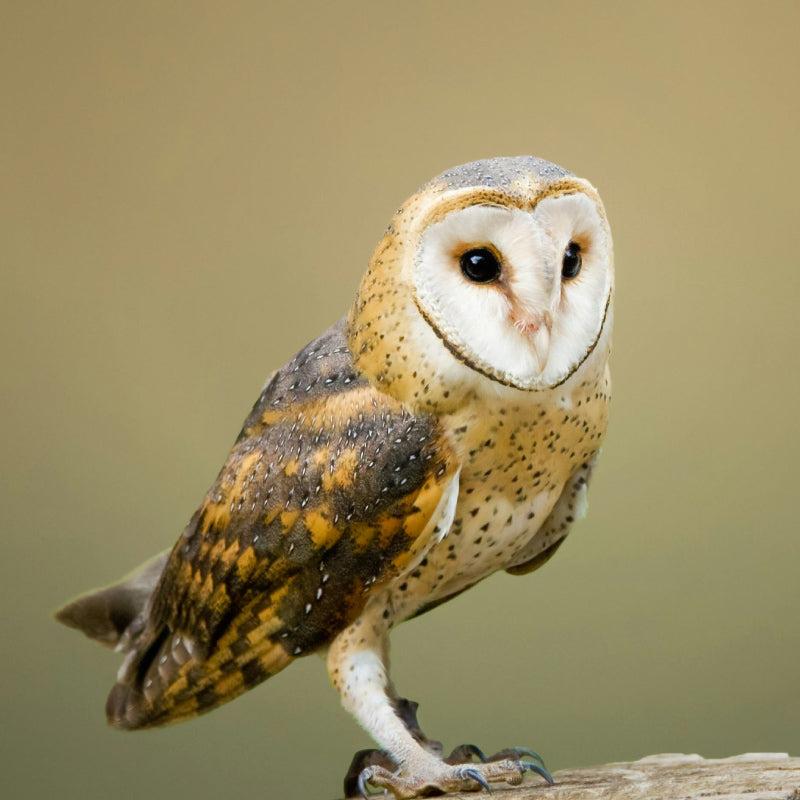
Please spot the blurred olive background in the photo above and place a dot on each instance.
(190, 191)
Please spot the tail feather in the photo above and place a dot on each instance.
(166, 675)
(168, 678)
(110, 614)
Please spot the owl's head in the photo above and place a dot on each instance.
(499, 270)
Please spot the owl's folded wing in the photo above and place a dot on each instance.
(324, 497)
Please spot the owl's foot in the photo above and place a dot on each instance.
(467, 777)
(464, 753)
(406, 710)
(377, 768)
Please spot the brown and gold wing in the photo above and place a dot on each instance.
(324, 497)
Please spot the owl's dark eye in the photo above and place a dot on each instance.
(571, 263)
(480, 265)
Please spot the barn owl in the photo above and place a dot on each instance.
(443, 430)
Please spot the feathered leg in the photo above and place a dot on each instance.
(358, 666)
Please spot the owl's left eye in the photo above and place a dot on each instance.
(480, 265)
(571, 263)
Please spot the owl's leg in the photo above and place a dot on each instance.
(407, 711)
(358, 669)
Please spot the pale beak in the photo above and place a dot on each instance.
(540, 342)
(537, 329)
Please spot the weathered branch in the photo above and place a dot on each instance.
(673, 776)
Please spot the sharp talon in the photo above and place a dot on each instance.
(539, 770)
(464, 752)
(526, 751)
(474, 750)
(362, 760)
(476, 776)
(363, 780)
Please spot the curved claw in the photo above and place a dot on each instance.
(475, 775)
(539, 770)
(363, 779)
(464, 752)
(526, 751)
(515, 753)
(361, 760)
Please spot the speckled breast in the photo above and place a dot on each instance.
(516, 458)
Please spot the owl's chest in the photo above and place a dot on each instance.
(514, 464)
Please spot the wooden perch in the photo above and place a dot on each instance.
(670, 776)
(673, 776)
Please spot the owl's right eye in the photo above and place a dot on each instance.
(480, 265)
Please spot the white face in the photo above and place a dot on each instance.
(519, 296)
